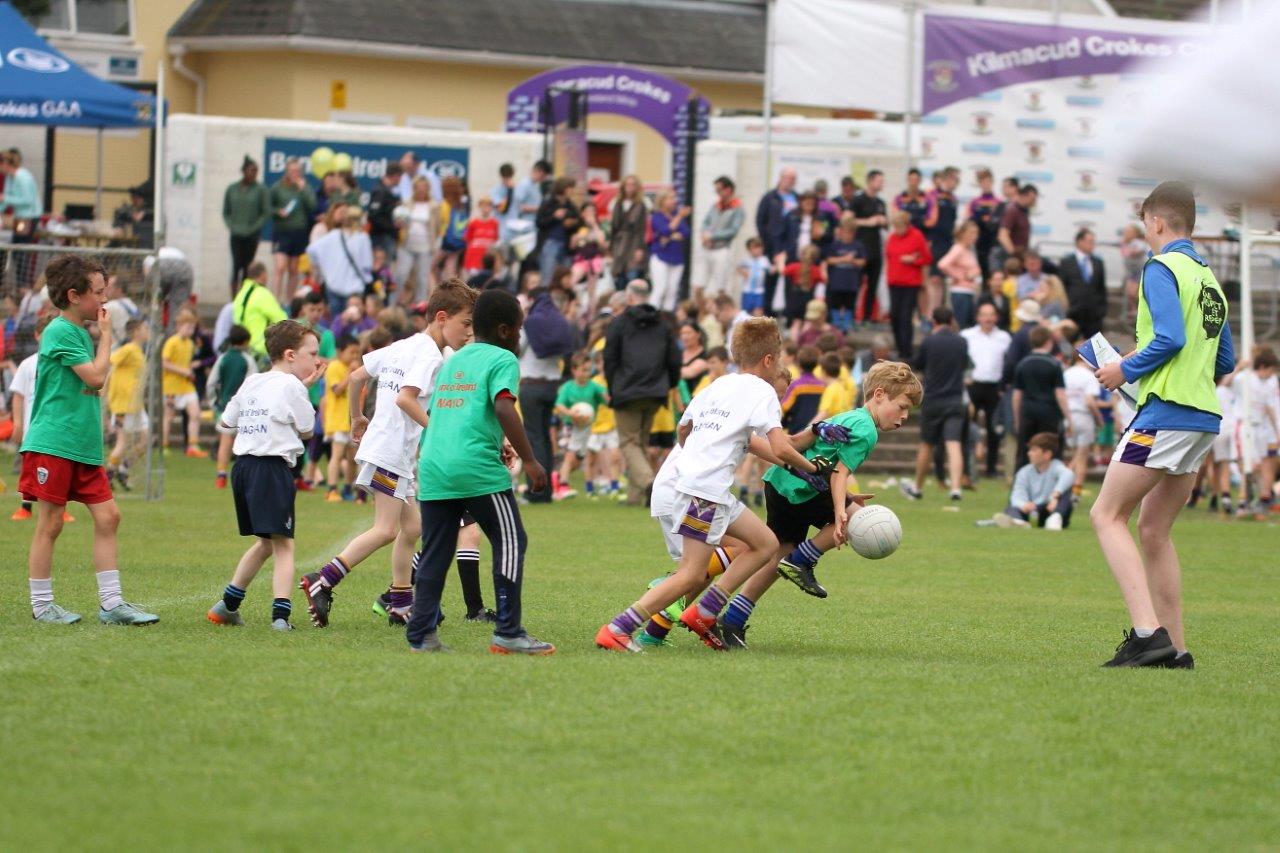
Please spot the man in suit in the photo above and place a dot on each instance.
(1086, 283)
(771, 226)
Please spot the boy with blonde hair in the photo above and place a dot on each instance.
(178, 383)
(714, 433)
(337, 417)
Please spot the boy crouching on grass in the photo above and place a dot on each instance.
(271, 415)
(714, 434)
(62, 451)
(1042, 490)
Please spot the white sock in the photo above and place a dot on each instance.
(1143, 633)
(109, 589)
(41, 595)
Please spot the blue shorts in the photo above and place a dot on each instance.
(291, 243)
(752, 302)
(264, 493)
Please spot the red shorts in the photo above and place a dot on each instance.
(59, 481)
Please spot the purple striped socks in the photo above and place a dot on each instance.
(626, 622)
(712, 602)
(333, 572)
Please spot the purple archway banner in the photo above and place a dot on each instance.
(652, 99)
(967, 57)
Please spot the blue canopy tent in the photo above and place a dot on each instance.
(40, 86)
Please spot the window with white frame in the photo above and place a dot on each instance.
(81, 17)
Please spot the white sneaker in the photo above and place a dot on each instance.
(1053, 522)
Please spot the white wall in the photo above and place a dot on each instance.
(215, 146)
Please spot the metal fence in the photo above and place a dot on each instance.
(136, 450)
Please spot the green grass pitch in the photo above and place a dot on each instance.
(947, 697)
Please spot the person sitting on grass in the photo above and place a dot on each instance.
(1041, 489)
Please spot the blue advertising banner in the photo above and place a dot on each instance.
(367, 161)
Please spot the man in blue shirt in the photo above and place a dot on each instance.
(1184, 344)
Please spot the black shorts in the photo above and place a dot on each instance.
(791, 522)
(662, 440)
(264, 493)
(841, 300)
(467, 518)
(291, 243)
(941, 422)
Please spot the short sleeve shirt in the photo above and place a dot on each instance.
(841, 278)
(724, 417)
(1037, 376)
(269, 415)
(24, 383)
(178, 351)
(461, 453)
(863, 436)
(1081, 386)
(124, 390)
(572, 393)
(391, 441)
(66, 414)
(336, 409)
(865, 207)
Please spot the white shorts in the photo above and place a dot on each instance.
(1084, 431)
(181, 401)
(339, 437)
(1174, 450)
(1224, 446)
(578, 441)
(1264, 441)
(673, 540)
(704, 520)
(599, 441)
(133, 421)
(373, 479)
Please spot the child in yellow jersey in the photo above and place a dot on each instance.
(336, 409)
(662, 435)
(124, 401)
(839, 395)
(717, 366)
(601, 470)
(179, 383)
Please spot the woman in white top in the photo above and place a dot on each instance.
(343, 260)
(419, 217)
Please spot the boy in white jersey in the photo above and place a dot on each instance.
(714, 434)
(271, 415)
(1259, 385)
(1083, 389)
(387, 449)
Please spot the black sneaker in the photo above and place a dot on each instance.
(1182, 661)
(382, 604)
(909, 491)
(735, 638)
(483, 615)
(319, 599)
(1155, 650)
(396, 619)
(801, 576)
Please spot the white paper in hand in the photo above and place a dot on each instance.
(1099, 352)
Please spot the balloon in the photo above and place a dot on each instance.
(342, 162)
(322, 161)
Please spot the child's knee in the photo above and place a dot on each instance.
(107, 518)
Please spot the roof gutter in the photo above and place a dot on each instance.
(178, 51)
(314, 44)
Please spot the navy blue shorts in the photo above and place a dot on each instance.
(264, 492)
(752, 301)
(291, 243)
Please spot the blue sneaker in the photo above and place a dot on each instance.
(126, 614)
(55, 615)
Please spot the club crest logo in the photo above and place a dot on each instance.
(981, 124)
(42, 475)
(941, 75)
(1034, 100)
(288, 523)
(1213, 310)
(458, 375)
(1034, 150)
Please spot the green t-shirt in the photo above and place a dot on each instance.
(66, 414)
(862, 440)
(460, 454)
(572, 393)
(328, 349)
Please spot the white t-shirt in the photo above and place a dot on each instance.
(1262, 395)
(1227, 402)
(391, 441)
(24, 383)
(987, 352)
(420, 233)
(724, 417)
(1082, 386)
(269, 415)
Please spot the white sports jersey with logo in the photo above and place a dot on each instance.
(391, 441)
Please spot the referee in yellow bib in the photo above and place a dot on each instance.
(1184, 344)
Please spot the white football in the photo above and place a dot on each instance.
(874, 531)
(582, 413)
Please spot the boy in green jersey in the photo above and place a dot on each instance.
(62, 452)
(461, 471)
(579, 389)
(792, 506)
